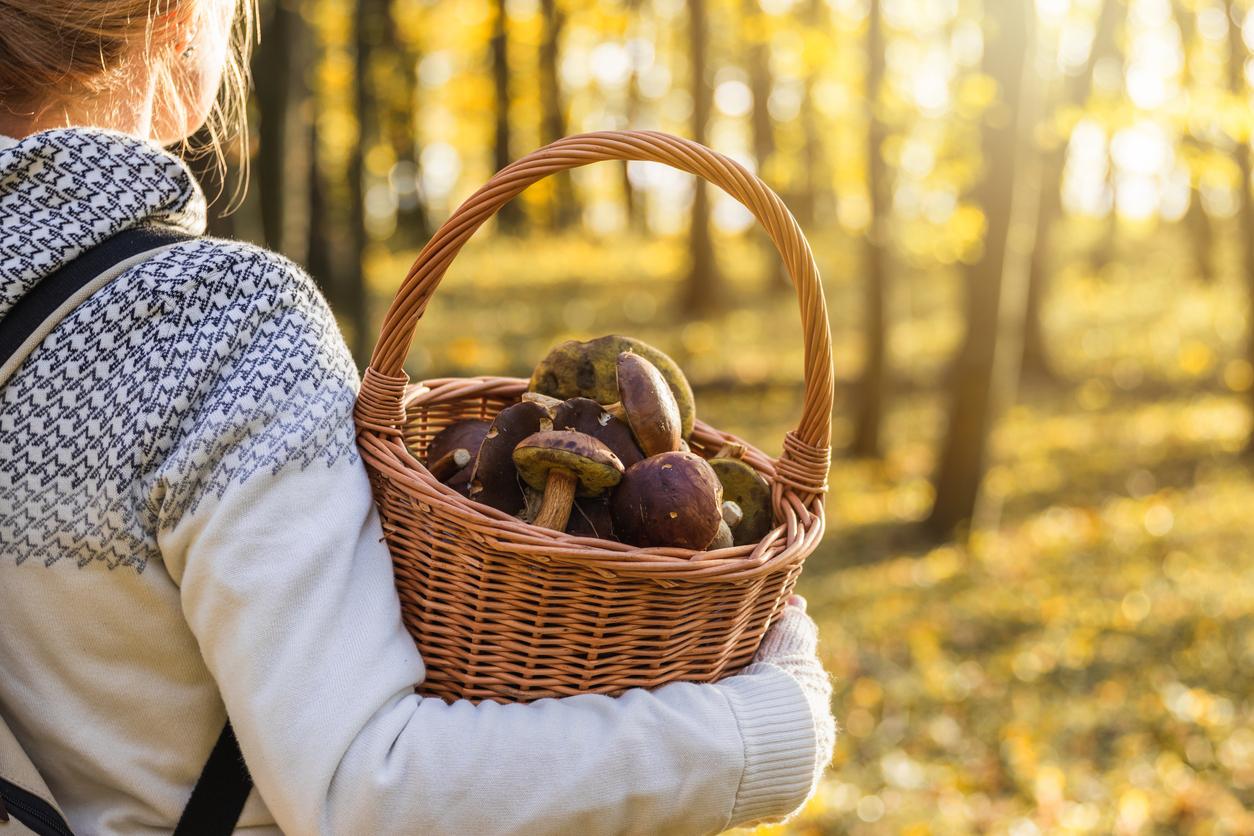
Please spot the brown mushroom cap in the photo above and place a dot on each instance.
(466, 434)
(745, 486)
(494, 480)
(593, 464)
(590, 370)
(672, 499)
(591, 517)
(587, 416)
(648, 404)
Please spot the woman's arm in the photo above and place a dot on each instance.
(275, 544)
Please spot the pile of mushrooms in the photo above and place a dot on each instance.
(598, 448)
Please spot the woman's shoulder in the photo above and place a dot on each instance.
(232, 271)
(240, 304)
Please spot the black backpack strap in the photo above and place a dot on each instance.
(218, 797)
(224, 785)
(55, 295)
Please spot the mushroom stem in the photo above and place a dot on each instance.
(732, 515)
(559, 496)
(731, 450)
(448, 464)
(545, 401)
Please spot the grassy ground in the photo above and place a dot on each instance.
(1088, 666)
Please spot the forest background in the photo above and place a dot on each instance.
(1035, 229)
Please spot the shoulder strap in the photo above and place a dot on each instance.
(224, 785)
(218, 797)
(35, 315)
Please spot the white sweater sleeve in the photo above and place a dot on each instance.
(276, 546)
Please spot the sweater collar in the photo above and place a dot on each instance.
(66, 190)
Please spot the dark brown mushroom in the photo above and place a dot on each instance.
(671, 499)
(592, 518)
(450, 464)
(590, 370)
(494, 481)
(752, 495)
(563, 463)
(647, 404)
(461, 435)
(722, 538)
(587, 416)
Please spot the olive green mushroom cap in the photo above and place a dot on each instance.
(589, 369)
(593, 464)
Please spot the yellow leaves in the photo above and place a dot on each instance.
(976, 93)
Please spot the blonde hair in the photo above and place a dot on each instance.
(57, 50)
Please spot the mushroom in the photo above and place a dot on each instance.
(672, 499)
(450, 464)
(462, 435)
(563, 463)
(745, 487)
(587, 416)
(590, 370)
(647, 404)
(722, 538)
(592, 518)
(494, 481)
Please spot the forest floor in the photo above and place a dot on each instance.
(1086, 665)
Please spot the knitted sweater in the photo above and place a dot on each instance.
(186, 531)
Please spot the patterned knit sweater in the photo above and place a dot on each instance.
(186, 531)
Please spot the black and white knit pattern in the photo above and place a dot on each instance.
(206, 365)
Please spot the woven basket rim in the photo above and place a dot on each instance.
(393, 458)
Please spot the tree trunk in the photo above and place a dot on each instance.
(318, 259)
(1036, 364)
(990, 300)
(400, 118)
(563, 210)
(873, 383)
(703, 293)
(213, 178)
(812, 184)
(633, 202)
(756, 35)
(1197, 222)
(283, 154)
(1237, 55)
(510, 218)
(355, 306)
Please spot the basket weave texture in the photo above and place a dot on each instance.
(502, 610)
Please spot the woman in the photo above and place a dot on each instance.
(187, 531)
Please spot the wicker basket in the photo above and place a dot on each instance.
(506, 611)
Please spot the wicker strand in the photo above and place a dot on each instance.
(803, 467)
(379, 405)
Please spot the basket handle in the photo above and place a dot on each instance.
(807, 450)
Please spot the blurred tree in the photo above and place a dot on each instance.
(1238, 54)
(813, 178)
(396, 68)
(213, 175)
(1201, 234)
(963, 454)
(318, 260)
(1106, 249)
(351, 280)
(704, 289)
(282, 160)
(510, 218)
(563, 210)
(873, 382)
(1075, 94)
(756, 34)
(634, 202)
